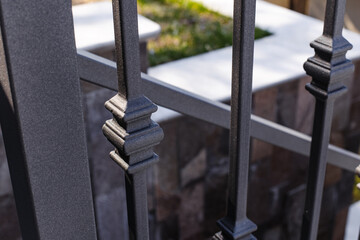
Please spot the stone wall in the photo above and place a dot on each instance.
(296, 5)
(187, 188)
(9, 225)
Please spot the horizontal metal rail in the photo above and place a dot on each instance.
(102, 72)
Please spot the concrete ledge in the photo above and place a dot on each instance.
(94, 27)
(353, 222)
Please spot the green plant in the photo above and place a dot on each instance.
(356, 191)
(188, 28)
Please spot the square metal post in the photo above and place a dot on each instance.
(42, 122)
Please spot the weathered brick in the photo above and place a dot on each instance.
(286, 103)
(264, 105)
(333, 175)
(112, 215)
(9, 225)
(167, 203)
(293, 213)
(340, 224)
(191, 215)
(305, 108)
(167, 169)
(194, 170)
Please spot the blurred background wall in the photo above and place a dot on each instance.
(315, 8)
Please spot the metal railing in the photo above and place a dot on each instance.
(44, 134)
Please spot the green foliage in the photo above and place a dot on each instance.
(188, 28)
(356, 191)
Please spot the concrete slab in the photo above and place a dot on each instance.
(94, 27)
(353, 222)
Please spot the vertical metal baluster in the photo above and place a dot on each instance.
(131, 130)
(357, 171)
(42, 122)
(328, 68)
(235, 225)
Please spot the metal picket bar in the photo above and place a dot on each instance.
(235, 225)
(131, 130)
(329, 68)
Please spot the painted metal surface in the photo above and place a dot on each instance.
(131, 130)
(358, 173)
(328, 69)
(42, 121)
(235, 225)
(45, 141)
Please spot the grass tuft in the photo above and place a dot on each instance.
(188, 28)
(356, 191)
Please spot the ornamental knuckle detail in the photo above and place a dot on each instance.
(329, 67)
(132, 132)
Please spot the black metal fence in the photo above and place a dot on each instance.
(43, 128)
